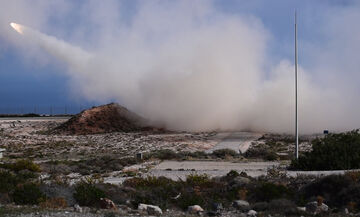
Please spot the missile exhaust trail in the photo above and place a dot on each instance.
(73, 55)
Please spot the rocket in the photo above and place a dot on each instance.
(19, 28)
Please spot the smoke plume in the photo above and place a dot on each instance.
(189, 66)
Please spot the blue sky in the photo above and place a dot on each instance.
(27, 82)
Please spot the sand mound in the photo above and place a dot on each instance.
(104, 119)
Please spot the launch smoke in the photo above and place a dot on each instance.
(201, 70)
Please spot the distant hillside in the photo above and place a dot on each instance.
(104, 119)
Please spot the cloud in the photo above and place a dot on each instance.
(189, 65)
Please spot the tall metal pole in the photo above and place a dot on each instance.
(296, 95)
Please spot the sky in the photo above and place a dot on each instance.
(185, 57)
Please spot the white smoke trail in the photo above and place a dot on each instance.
(74, 56)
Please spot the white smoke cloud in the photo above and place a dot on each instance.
(189, 66)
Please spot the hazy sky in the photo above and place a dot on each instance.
(186, 57)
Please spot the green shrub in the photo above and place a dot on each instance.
(197, 179)
(350, 195)
(87, 194)
(160, 195)
(198, 155)
(163, 154)
(261, 153)
(28, 194)
(148, 182)
(284, 206)
(334, 152)
(7, 181)
(161, 191)
(268, 191)
(328, 187)
(190, 199)
(22, 165)
(232, 174)
(222, 153)
(271, 156)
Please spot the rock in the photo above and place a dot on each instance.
(314, 208)
(311, 207)
(240, 181)
(77, 208)
(260, 206)
(150, 209)
(252, 213)
(241, 205)
(154, 210)
(346, 211)
(217, 207)
(322, 208)
(106, 203)
(196, 209)
(302, 208)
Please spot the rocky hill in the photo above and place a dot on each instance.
(104, 119)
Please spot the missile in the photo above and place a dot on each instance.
(19, 28)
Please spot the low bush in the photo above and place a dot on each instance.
(333, 152)
(198, 180)
(163, 154)
(190, 199)
(337, 190)
(353, 175)
(54, 203)
(168, 154)
(87, 194)
(222, 153)
(232, 174)
(28, 193)
(261, 153)
(154, 190)
(56, 190)
(283, 206)
(22, 165)
(196, 189)
(268, 191)
(7, 181)
(197, 155)
(148, 182)
(103, 164)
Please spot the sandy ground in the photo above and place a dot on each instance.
(28, 138)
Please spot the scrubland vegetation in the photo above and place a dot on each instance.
(75, 170)
(21, 184)
(333, 152)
